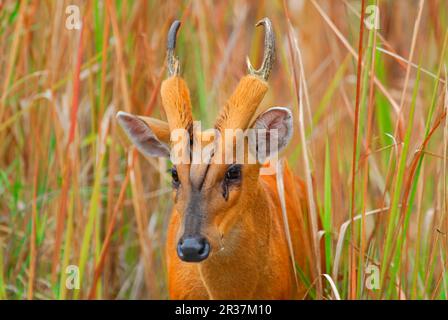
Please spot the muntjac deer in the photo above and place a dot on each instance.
(226, 236)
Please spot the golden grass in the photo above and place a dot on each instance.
(371, 141)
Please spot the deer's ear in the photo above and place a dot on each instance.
(149, 135)
(273, 129)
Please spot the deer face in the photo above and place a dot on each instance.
(210, 189)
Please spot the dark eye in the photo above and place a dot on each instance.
(175, 177)
(233, 173)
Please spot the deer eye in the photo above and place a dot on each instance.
(233, 174)
(175, 177)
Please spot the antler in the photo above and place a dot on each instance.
(240, 107)
(173, 62)
(174, 90)
(269, 51)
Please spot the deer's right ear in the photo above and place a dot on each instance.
(149, 135)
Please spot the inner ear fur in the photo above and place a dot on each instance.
(275, 118)
(147, 134)
(159, 127)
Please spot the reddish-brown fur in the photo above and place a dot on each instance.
(258, 264)
(249, 256)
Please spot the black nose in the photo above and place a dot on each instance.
(193, 249)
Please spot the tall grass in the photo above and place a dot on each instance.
(371, 139)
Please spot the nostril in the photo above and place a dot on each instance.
(202, 248)
(180, 251)
(205, 247)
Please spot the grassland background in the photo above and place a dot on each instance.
(74, 192)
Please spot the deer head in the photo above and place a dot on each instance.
(210, 195)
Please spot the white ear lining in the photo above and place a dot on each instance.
(262, 122)
(142, 136)
(288, 121)
(275, 118)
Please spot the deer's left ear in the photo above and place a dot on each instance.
(147, 134)
(275, 123)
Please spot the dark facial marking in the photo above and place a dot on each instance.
(203, 178)
(175, 178)
(199, 181)
(225, 191)
(232, 178)
(194, 215)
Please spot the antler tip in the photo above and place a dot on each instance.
(173, 63)
(172, 33)
(269, 51)
(263, 21)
